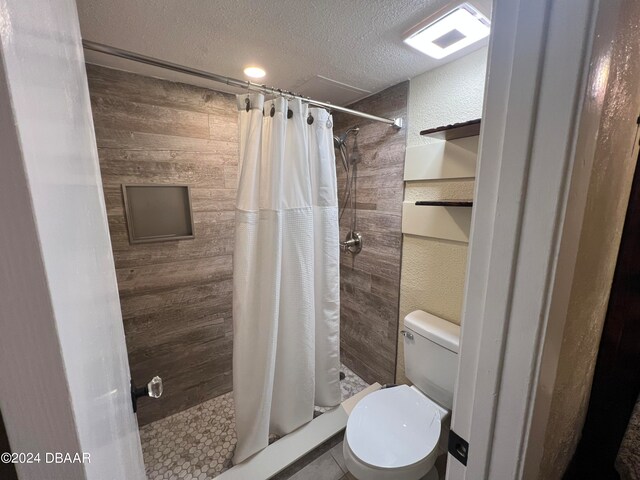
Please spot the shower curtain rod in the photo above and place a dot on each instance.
(136, 57)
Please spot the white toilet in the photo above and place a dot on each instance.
(397, 433)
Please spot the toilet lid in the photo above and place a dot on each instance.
(393, 428)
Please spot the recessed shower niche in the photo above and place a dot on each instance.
(158, 213)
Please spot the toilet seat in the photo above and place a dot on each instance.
(394, 429)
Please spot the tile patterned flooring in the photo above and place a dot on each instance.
(198, 443)
(324, 468)
(628, 459)
(328, 466)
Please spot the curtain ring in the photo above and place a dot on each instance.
(309, 119)
(272, 112)
(289, 113)
(247, 103)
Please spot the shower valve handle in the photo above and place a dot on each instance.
(348, 244)
(353, 243)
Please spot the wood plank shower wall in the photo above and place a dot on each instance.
(176, 296)
(370, 282)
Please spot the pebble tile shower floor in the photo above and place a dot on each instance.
(198, 443)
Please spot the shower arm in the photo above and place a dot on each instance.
(256, 87)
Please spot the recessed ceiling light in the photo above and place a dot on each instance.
(448, 33)
(254, 72)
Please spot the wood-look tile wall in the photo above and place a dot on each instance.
(176, 296)
(370, 281)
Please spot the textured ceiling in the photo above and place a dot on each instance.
(354, 42)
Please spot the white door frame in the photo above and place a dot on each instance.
(542, 96)
(64, 373)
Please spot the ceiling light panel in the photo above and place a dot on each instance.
(453, 31)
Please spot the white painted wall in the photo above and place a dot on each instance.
(449, 94)
(64, 373)
(433, 270)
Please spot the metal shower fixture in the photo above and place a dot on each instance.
(353, 241)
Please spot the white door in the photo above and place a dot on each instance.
(64, 373)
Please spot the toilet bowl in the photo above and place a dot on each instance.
(393, 434)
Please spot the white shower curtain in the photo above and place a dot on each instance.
(286, 346)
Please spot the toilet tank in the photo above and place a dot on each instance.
(431, 355)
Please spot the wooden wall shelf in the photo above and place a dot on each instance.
(454, 131)
(444, 203)
(444, 220)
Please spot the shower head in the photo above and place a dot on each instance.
(341, 140)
